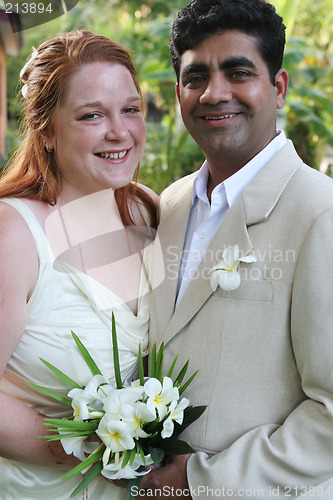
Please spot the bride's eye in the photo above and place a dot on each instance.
(90, 116)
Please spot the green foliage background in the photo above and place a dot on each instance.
(144, 27)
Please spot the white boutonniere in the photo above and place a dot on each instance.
(225, 273)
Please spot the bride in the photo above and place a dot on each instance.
(74, 232)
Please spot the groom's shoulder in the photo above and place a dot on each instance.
(179, 186)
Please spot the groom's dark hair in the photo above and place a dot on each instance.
(203, 18)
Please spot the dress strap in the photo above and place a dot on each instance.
(42, 245)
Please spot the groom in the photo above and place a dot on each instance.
(248, 257)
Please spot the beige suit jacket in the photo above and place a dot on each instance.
(265, 350)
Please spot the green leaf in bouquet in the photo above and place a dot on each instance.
(181, 374)
(176, 447)
(116, 354)
(153, 361)
(191, 414)
(61, 423)
(132, 456)
(159, 362)
(57, 437)
(61, 375)
(157, 454)
(172, 367)
(86, 356)
(141, 452)
(94, 472)
(127, 456)
(86, 463)
(132, 483)
(51, 394)
(183, 387)
(141, 369)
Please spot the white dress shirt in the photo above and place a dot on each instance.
(205, 218)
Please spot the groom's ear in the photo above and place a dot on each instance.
(177, 92)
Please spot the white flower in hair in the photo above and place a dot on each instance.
(28, 64)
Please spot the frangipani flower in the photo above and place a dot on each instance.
(118, 398)
(115, 434)
(159, 397)
(25, 68)
(83, 398)
(28, 64)
(78, 446)
(135, 416)
(176, 415)
(225, 273)
(114, 470)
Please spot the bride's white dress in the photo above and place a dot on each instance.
(61, 302)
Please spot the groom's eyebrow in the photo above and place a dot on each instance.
(236, 62)
(231, 62)
(194, 68)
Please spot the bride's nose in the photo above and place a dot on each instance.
(116, 129)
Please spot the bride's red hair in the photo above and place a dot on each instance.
(33, 172)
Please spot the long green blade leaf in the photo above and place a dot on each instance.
(153, 361)
(141, 369)
(126, 458)
(86, 463)
(181, 374)
(185, 386)
(132, 455)
(116, 354)
(141, 452)
(89, 477)
(159, 362)
(172, 367)
(86, 356)
(65, 435)
(52, 394)
(61, 375)
(70, 424)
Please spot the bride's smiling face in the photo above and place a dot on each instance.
(100, 134)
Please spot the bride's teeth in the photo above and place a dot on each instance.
(113, 156)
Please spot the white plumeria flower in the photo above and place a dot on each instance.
(135, 416)
(225, 273)
(118, 398)
(176, 415)
(24, 90)
(78, 446)
(28, 64)
(115, 435)
(160, 396)
(114, 470)
(83, 398)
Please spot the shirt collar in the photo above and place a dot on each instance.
(234, 185)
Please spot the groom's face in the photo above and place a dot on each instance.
(227, 100)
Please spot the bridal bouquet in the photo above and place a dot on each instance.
(136, 423)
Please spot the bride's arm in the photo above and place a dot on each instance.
(20, 424)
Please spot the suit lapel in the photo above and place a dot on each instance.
(232, 231)
(254, 205)
(170, 241)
